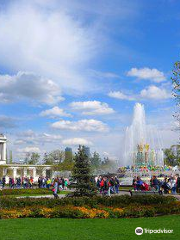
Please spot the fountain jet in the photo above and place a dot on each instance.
(142, 142)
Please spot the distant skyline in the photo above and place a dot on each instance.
(72, 71)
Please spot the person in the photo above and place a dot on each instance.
(101, 184)
(48, 183)
(173, 185)
(166, 186)
(177, 183)
(43, 182)
(111, 185)
(139, 183)
(65, 183)
(155, 183)
(116, 184)
(99, 179)
(12, 183)
(3, 182)
(134, 183)
(39, 182)
(31, 182)
(18, 182)
(55, 188)
(144, 187)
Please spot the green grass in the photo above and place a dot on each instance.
(87, 229)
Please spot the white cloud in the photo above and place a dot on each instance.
(92, 107)
(29, 86)
(30, 137)
(76, 142)
(153, 74)
(120, 95)
(28, 150)
(81, 125)
(54, 112)
(154, 92)
(46, 40)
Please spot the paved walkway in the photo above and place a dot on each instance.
(63, 195)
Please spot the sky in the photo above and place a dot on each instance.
(72, 71)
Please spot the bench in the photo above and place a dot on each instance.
(137, 193)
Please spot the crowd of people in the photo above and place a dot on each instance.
(23, 182)
(167, 185)
(28, 182)
(107, 185)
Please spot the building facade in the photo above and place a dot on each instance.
(16, 170)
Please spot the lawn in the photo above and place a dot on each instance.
(87, 229)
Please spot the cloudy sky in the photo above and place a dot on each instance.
(71, 71)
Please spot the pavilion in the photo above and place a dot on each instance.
(16, 170)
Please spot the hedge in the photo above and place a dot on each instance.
(114, 201)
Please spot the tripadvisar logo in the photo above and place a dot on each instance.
(140, 231)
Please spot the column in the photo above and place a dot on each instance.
(4, 151)
(14, 173)
(25, 172)
(34, 173)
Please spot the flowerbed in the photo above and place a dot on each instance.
(96, 207)
(88, 212)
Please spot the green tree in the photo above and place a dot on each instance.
(172, 155)
(176, 89)
(82, 174)
(10, 157)
(34, 158)
(54, 157)
(95, 160)
(68, 156)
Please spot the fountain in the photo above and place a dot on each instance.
(142, 142)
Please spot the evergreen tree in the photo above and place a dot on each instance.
(82, 174)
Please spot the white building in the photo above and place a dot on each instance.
(3, 155)
(20, 170)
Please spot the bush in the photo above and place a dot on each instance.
(116, 201)
(7, 192)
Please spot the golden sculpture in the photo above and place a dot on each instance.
(140, 147)
(146, 146)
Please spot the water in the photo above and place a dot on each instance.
(143, 144)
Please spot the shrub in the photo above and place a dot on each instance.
(7, 192)
(116, 201)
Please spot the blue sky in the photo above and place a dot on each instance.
(71, 72)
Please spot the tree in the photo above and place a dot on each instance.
(172, 155)
(68, 155)
(54, 157)
(176, 89)
(34, 158)
(10, 157)
(82, 174)
(95, 160)
(27, 158)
